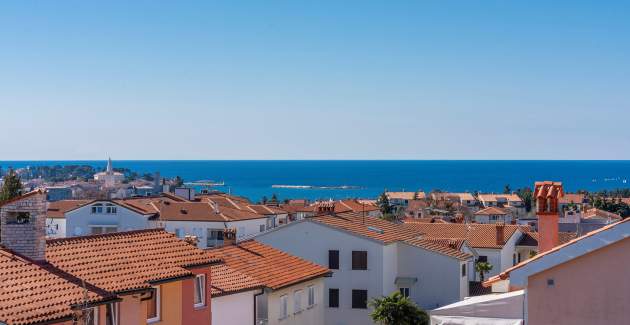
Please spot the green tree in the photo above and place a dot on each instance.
(178, 181)
(526, 195)
(11, 187)
(274, 198)
(397, 309)
(383, 204)
(507, 189)
(482, 268)
(264, 200)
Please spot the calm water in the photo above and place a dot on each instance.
(254, 179)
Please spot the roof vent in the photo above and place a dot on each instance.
(377, 230)
(183, 211)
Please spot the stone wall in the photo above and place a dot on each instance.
(27, 237)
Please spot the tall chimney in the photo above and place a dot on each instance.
(23, 225)
(500, 228)
(547, 195)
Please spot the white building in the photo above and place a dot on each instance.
(55, 216)
(109, 177)
(370, 258)
(508, 201)
(259, 284)
(493, 215)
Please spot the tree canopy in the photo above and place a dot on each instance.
(397, 309)
(11, 187)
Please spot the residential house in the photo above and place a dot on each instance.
(508, 201)
(492, 243)
(527, 246)
(55, 216)
(565, 275)
(371, 257)
(277, 288)
(401, 199)
(463, 199)
(137, 277)
(571, 206)
(493, 215)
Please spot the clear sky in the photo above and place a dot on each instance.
(314, 80)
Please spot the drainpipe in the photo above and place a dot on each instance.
(262, 291)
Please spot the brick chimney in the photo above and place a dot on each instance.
(500, 228)
(23, 224)
(547, 195)
(327, 207)
(229, 236)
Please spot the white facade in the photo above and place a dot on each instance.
(100, 217)
(207, 231)
(55, 227)
(302, 313)
(501, 259)
(237, 308)
(493, 218)
(433, 279)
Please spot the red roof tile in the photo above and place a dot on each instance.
(33, 293)
(226, 280)
(476, 235)
(125, 261)
(272, 267)
(58, 209)
(491, 211)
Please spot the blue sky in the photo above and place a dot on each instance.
(315, 80)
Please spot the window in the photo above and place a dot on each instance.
(262, 228)
(359, 299)
(200, 290)
(333, 298)
(311, 296)
(482, 258)
(359, 260)
(153, 306)
(333, 260)
(519, 257)
(297, 301)
(214, 237)
(97, 208)
(111, 317)
(91, 316)
(463, 270)
(18, 217)
(513, 259)
(110, 209)
(404, 292)
(283, 307)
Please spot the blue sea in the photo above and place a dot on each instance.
(368, 178)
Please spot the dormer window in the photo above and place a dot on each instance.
(110, 208)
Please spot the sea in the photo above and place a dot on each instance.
(338, 179)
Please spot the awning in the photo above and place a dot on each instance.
(405, 282)
(493, 309)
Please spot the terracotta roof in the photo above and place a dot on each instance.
(57, 209)
(265, 210)
(530, 238)
(476, 235)
(491, 211)
(447, 246)
(355, 206)
(271, 267)
(33, 293)
(125, 261)
(451, 195)
(384, 231)
(505, 274)
(572, 198)
(226, 280)
(415, 205)
(495, 197)
(424, 220)
(600, 214)
(188, 211)
(405, 195)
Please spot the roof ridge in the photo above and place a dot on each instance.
(111, 234)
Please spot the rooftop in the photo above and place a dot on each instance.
(476, 235)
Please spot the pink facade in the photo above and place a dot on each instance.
(591, 289)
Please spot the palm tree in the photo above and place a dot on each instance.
(397, 309)
(482, 268)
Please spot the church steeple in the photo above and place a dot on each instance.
(110, 170)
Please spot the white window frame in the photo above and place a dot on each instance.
(297, 301)
(284, 306)
(201, 287)
(95, 315)
(158, 305)
(405, 291)
(311, 296)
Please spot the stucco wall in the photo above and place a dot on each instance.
(312, 241)
(79, 220)
(191, 314)
(307, 316)
(236, 309)
(591, 289)
(55, 227)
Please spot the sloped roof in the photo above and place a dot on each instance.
(530, 238)
(447, 247)
(600, 214)
(58, 209)
(572, 198)
(495, 197)
(226, 280)
(384, 231)
(491, 211)
(32, 293)
(126, 261)
(405, 195)
(476, 235)
(271, 267)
